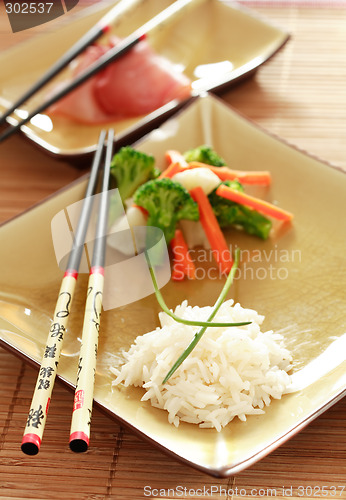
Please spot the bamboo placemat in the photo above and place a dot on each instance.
(301, 96)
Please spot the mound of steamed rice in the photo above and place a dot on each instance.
(232, 372)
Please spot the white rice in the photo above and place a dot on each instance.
(232, 372)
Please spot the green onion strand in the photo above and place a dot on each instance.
(188, 322)
(217, 306)
(203, 324)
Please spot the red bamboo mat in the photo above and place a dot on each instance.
(299, 95)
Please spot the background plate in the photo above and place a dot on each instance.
(213, 32)
(298, 284)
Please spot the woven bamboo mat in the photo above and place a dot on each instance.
(300, 95)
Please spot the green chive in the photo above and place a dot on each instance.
(217, 306)
(188, 322)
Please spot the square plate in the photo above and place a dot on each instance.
(296, 278)
(242, 42)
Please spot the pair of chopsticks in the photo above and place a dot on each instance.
(102, 27)
(110, 56)
(80, 424)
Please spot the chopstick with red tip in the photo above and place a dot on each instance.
(36, 420)
(84, 393)
(102, 26)
(178, 7)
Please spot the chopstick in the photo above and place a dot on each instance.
(110, 56)
(102, 26)
(113, 54)
(36, 421)
(83, 400)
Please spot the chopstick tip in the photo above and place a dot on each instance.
(31, 444)
(79, 442)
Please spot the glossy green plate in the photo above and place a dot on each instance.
(296, 278)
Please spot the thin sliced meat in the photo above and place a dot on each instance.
(139, 83)
(80, 105)
(136, 84)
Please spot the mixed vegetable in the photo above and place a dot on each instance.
(197, 186)
(130, 169)
(229, 213)
(166, 202)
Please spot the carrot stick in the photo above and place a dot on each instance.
(173, 156)
(212, 230)
(250, 201)
(182, 261)
(178, 273)
(225, 173)
(171, 170)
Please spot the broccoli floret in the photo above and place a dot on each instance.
(167, 202)
(229, 213)
(204, 154)
(131, 168)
